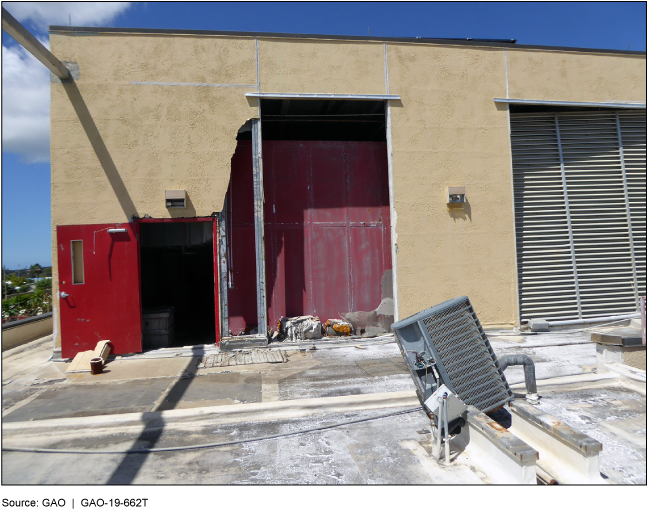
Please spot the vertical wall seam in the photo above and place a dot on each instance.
(627, 208)
(349, 232)
(505, 60)
(512, 187)
(568, 215)
(257, 63)
(310, 232)
(391, 191)
(386, 68)
(514, 219)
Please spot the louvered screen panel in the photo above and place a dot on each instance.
(596, 222)
(633, 135)
(545, 270)
(596, 191)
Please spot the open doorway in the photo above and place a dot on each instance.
(177, 284)
(326, 216)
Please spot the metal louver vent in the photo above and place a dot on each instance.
(450, 338)
(579, 188)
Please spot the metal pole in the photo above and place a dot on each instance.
(258, 189)
(627, 209)
(393, 213)
(25, 39)
(444, 408)
(568, 217)
(439, 439)
(591, 320)
(223, 270)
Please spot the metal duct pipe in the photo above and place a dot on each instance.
(591, 320)
(529, 373)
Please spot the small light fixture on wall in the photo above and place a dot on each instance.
(455, 195)
(175, 198)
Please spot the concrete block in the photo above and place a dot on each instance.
(20, 332)
(571, 456)
(625, 337)
(607, 354)
(503, 457)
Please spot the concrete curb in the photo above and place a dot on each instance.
(6, 353)
(239, 413)
(260, 411)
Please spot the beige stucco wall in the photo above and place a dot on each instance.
(446, 131)
(326, 66)
(576, 76)
(155, 137)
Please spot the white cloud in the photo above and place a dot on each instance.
(26, 82)
(25, 105)
(42, 14)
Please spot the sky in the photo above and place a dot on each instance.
(26, 217)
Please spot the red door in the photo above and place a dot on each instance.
(99, 287)
(327, 229)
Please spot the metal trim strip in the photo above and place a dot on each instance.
(633, 105)
(324, 96)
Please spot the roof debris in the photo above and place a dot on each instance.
(241, 358)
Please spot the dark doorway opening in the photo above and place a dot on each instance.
(177, 284)
(322, 120)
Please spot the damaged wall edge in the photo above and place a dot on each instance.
(393, 212)
(223, 269)
(258, 195)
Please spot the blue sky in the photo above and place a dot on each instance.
(26, 230)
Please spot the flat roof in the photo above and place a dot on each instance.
(507, 43)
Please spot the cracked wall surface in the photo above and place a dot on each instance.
(121, 136)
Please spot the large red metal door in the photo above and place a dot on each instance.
(99, 287)
(327, 229)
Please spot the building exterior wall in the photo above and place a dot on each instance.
(447, 131)
(116, 146)
(326, 66)
(576, 76)
(117, 143)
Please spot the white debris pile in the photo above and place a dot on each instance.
(300, 328)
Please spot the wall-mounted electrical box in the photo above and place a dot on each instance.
(175, 198)
(455, 195)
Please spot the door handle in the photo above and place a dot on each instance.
(63, 294)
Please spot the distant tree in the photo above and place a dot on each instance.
(44, 285)
(17, 281)
(35, 270)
